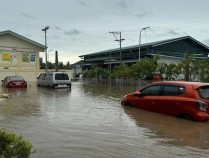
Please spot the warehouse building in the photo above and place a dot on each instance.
(170, 51)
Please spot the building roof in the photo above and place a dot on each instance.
(151, 44)
(23, 38)
(77, 63)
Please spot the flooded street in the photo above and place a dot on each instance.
(89, 122)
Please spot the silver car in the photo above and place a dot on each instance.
(54, 80)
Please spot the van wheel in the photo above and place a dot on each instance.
(186, 117)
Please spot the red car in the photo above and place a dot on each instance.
(176, 98)
(14, 82)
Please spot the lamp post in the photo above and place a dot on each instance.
(140, 39)
(45, 29)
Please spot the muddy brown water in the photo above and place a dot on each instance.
(89, 122)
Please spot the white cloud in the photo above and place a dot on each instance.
(78, 27)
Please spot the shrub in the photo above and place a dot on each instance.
(14, 146)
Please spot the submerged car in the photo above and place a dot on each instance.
(187, 100)
(54, 80)
(14, 82)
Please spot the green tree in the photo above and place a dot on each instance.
(193, 69)
(121, 71)
(12, 146)
(97, 72)
(50, 65)
(67, 65)
(169, 71)
(202, 70)
(145, 69)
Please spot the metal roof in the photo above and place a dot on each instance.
(151, 44)
(23, 38)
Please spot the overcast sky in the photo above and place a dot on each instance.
(78, 27)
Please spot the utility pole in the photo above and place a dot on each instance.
(45, 29)
(110, 61)
(56, 61)
(119, 40)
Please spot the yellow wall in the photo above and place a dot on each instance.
(18, 57)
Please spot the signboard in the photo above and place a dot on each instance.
(10, 55)
(28, 56)
(25, 57)
(6, 56)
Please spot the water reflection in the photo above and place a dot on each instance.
(115, 90)
(171, 130)
(43, 91)
(14, 91)
(21, 103)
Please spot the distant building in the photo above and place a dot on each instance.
(77, 67)
(170, 51)
(19, 56)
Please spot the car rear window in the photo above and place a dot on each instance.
(203, 92)
(15, 78)
(61, 77)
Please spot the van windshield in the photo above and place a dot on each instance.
(61, 77)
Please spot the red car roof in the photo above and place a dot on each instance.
(195, 85)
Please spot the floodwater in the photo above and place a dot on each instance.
(89, 122)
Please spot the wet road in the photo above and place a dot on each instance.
(89, 122)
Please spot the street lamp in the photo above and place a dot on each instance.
(140, 39)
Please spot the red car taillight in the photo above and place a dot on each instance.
(202, 105)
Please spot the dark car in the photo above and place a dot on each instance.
(176, 98)
(14, 82)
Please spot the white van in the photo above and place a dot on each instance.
(54, 80)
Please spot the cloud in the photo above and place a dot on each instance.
(58, 28)
(143, 14)
(173, 33)
(206, 42)
(72, 32)
(123, 3)
(29, 16)
(56, 37)
(82, 2)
